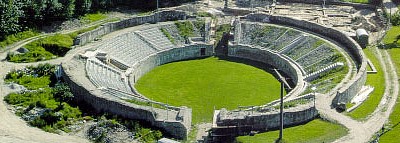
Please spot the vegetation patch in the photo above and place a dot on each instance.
(208, 84)
(392, 38)
(47, 104)
(200, 25)
(168, 35)
(185, 28)
(221, 29)
(93, 17)
(205, 14)
(357, 1)
(375, 80)
(316, 131)
(11, 39)
(48, 101)
(47, 48)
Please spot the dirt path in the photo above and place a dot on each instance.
(363, 131)
(12, 128)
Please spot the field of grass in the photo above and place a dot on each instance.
(375, 80)
(392, 136)
(203, 84)
(316, 131)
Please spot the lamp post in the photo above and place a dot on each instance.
(313, 89)
(283, 83)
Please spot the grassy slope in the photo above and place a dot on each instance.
(393, 135)
(375, 80)
(11, 39)
(205, 83)
(316, 131)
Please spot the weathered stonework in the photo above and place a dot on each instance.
(349, 90)
(161, 16)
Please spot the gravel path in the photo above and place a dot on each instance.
(363, 131)
(14, 129)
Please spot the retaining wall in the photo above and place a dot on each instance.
(161, 16)
(86, 93)
(349, 90)
(244, 123)
(271, 58)
(166, 56)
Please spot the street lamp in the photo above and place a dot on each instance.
(313, 89)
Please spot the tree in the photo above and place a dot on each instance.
(10, 13)
(62, 92)
(82, 7)
(68, 8)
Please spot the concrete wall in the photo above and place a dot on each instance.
(349, 90)
(86, 93)
(161, 16)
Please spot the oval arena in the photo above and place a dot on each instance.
(305, 53)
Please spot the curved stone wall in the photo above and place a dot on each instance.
(84, 91)
(349, 90)
(271, 58)
(167, 15)
(166, 56)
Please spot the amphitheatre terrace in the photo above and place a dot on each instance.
(313, 50)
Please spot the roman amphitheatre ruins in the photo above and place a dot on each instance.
(313, 45)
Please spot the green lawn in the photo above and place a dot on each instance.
(393, 135)
(316, 131)
(375, 80)
(203, 84)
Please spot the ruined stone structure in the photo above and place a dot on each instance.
(161, 16)
(104, 76)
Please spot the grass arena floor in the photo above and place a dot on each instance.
(205, 84)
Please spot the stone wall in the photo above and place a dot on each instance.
(265, 56)
(161, 16)
(86, 93)
(349, 90)
(166, 56)
(245, 122)
(263, 3)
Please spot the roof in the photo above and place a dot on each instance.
(361, 32)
